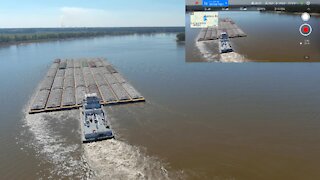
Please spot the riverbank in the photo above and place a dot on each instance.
(30, 35)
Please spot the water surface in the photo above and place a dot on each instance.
(200, 121)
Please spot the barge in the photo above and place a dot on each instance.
(68, 80)
(225, 25)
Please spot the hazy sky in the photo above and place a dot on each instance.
(91, 13)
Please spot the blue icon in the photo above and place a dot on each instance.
(215, 3)
(204, 18)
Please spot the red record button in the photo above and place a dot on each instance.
(305, 29)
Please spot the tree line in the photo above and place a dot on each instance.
(25, 35)
(13, 38)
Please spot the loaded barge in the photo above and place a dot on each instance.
(85, 84)
(225, 25)
(67, 81)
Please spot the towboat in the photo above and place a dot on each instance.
(95, 125)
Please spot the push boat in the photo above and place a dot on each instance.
(95, 125)
(224, 43)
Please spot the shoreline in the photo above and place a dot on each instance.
(24, 42)
(16, 36)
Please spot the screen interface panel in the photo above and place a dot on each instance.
(252, 31)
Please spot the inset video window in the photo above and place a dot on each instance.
(252, 31)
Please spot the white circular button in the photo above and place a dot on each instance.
(305, 16)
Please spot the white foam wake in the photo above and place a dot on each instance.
(64, 157)
(210, 52)
(232, 57)
(115, 159)
(207, 52)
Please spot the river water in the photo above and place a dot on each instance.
(200, 120)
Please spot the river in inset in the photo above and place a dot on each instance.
(271, 37)
(200, 120)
